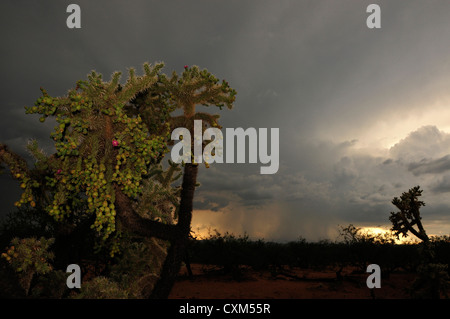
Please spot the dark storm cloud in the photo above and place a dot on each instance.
(442, 185)
(215, 202)
(311, 68)
(437, 166)
(347, 186)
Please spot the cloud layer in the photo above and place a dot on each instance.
(345, 185)
(363, 114)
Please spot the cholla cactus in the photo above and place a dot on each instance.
(100, 149)
(408, 215)
(109, 140)
(193, 87)
(432, 278)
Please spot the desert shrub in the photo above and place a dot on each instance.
(363, 248)
(26, 222)
(229, 251)
(29, 256)
(74, 242)
(137, 268)
(9, 283)
(296, 253)
(441, 248)
(52, 285)
(432, 280)
(101, 288)
(266, 255)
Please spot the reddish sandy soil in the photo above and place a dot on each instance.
(209, 283)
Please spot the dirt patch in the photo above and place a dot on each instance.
(209, 282)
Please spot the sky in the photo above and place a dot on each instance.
(363, 114)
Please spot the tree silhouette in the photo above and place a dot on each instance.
(110, 141)
(432, 277)
(408, 216)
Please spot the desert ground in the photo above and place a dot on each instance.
(209, 282)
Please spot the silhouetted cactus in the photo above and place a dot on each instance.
(408, 215)
(432, 278)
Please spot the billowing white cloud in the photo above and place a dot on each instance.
(423, 144)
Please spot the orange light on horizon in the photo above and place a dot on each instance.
(376, 231)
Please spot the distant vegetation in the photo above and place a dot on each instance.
(353, 248)
(125, 275)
